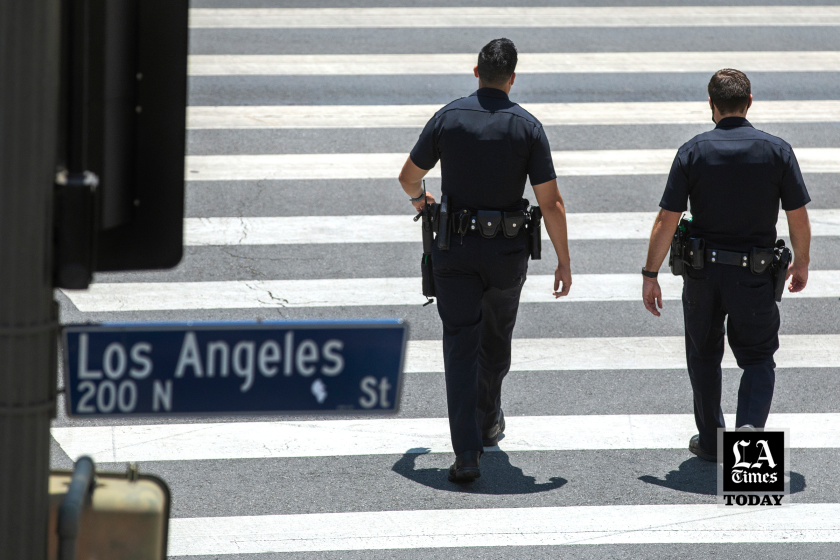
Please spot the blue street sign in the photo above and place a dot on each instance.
(230, 368)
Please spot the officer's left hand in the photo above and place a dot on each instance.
(800, 277)
(652, 295)
(562, 274)
(420, 204)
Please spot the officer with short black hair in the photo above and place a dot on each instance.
(487, 146)
(735, 177)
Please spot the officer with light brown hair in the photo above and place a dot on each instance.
(734, 177)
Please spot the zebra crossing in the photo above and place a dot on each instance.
(301, 116)
(302, 230)
(551, 114)
(602, 16)
(174, 442)
(534, 63)
(379, 166)
(502, 528)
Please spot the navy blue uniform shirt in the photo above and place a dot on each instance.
(487, 145)
(735, 177)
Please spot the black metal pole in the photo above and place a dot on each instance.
(29, 74)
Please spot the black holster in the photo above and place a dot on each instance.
(782, 258)
(696, 256)
(677, 258)
(536, 233)
(429, 215)
(427, 271)
(443, 225)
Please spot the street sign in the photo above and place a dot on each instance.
(234, 368)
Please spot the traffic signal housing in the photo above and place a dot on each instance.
(120, 186)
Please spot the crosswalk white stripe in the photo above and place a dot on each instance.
(529, 63)
(399, 228)
(549, 114)
(505, 527)
(355, 292)
(395, 436)
(402, 229)
(508, 17)
(275, 167)
(627, 353)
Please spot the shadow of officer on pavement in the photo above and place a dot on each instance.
(700, 477)
(500, 477)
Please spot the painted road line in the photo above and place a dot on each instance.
(322, 438)
(529, 63)
(397, 229)
(356, 292)
(504, 527)
(549, 114)
(276, 167)
(297, 230)
(659, 16)
(627, 353)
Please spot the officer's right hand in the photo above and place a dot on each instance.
(420, 204)
(652, 295)
(562, 274)
(800, 277)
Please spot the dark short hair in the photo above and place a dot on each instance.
(729, 90)
(497, 61)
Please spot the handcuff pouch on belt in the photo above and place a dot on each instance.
(513, 223)
(488, 222)
(761, 259)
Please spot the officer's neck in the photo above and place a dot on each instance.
(717, 117)
(505, 88)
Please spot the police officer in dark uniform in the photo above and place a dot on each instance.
(735, 177)
(487, 146)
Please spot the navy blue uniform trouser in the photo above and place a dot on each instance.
(478, 283)
(747, 303)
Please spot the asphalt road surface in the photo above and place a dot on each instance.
(591, 498)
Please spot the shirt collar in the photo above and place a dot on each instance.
(733, 122)
(491, 92)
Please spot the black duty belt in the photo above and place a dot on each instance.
(733, 258)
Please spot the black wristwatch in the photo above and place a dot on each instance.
(649, 274)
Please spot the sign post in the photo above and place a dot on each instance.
(29, 71)
(234, 368)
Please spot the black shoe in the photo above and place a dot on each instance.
(490, 437)
(694, 447)
(465, 468)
